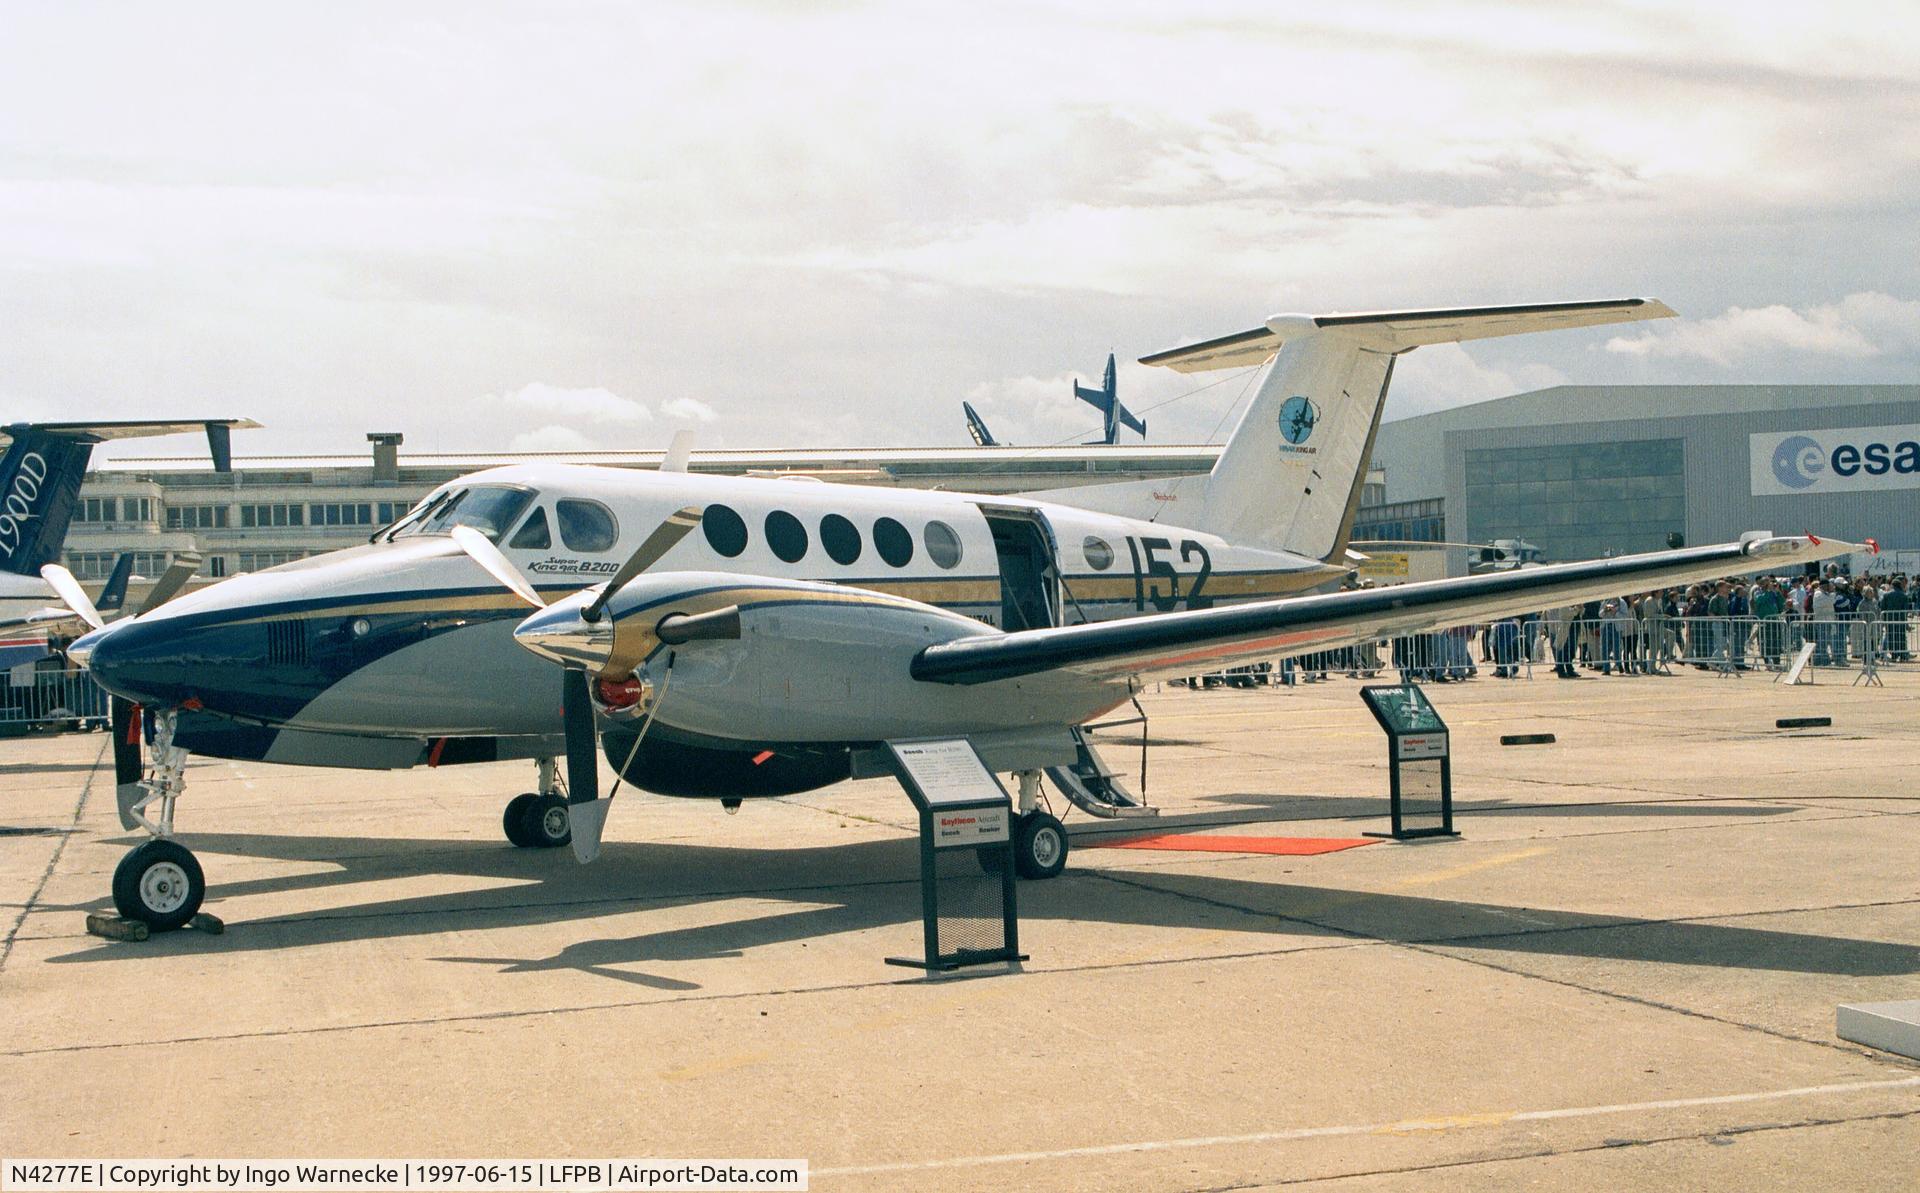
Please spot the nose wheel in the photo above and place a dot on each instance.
(160, 884)
(536, 821)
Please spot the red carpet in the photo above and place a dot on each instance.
(1194, 842)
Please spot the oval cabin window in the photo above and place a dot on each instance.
(1099, 553)
(893, 542)
(786, 537)
(726, 531)
(840, 538)
(943, 545)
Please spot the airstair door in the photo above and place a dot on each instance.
(1029, 580)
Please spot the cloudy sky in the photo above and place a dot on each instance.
(560, 224)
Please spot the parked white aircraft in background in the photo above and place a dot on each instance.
(806, 624)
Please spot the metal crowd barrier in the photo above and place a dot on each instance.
(1523, 648)
(49, 699)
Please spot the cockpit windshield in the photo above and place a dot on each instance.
(489, 509)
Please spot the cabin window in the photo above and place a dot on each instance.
(533, 534)
(943, 545)
(841, 539)
(893, 542)
(785, 536)
(585, 526)
(1099, 553)
(725, 530)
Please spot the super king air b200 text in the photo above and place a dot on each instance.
(727, 638)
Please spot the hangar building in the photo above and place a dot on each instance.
(1586, 471)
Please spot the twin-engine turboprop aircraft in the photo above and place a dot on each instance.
(738, 637)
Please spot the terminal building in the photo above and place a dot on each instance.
(1578, 471)
(1588, 471)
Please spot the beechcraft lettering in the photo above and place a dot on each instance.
(756, 637)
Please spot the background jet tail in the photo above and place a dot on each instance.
(1291, 473)
(114, 593)
(41, 472)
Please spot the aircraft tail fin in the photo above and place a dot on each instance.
(114, 593)
(40, 478)
(1291, 473)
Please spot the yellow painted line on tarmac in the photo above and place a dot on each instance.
(1488, 863)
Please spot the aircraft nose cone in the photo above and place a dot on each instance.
(80, 650)
(559, 634)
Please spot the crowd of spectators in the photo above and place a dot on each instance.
(1734, 624)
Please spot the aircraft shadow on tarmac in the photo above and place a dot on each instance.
(871, 885)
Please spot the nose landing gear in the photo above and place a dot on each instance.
(538, 819)
(158, 883)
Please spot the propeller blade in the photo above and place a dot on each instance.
(180, 569)
(126, 740)
(72, 594)
(586, 811)
(664, 538)
(481, 550)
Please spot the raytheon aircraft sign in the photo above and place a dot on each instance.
(1846, 460)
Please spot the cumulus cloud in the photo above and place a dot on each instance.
(688, 410)
(1859, 325)
(552, 438)
(592, 402)
(1442, 376)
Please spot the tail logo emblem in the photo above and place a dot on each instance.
(1297, 417)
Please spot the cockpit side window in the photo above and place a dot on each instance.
(489, 509)
(586, 525)
(533, 534)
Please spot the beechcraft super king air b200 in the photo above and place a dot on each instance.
(728, 638)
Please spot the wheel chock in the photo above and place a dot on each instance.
(113, 927)
(212, 925)
(1803, 723)
(1526, 739)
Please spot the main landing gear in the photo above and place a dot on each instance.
(1039, 839)
(538, 819)
(160, 882)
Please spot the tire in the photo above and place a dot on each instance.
(1039, 846)
(544, 823)
(160, 884)
(513, 820)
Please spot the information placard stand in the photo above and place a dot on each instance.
(969, 916)
(1418, 758)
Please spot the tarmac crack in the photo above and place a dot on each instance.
(1551, 1153)
(53, 861)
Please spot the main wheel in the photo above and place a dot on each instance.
(514, 820)
(544, 823)
(159, 884)
(1039, 846)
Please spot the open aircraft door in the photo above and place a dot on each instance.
(1024, 547)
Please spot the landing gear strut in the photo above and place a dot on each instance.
(160, 882)
(538, 819)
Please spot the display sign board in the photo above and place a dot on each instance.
(947, 771)
(1836, 460)
(1418, 761)
(969, 914)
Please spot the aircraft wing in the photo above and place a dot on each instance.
(1186, 643)
(1398, 331)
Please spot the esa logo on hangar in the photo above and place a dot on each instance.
(1846, 459)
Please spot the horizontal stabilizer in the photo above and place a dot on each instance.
(1397, 331)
